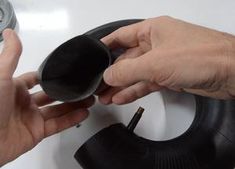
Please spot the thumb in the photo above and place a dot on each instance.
(10, 55)
(128, 71)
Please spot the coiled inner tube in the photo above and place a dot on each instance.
(208, 144)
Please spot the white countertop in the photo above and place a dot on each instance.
(44, 24)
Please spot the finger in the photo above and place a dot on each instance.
(135, 92)
(129, 71)
(61, 109)
(126, 36)
(106, 96)
(130, 53)
(56, 125)
(42, 99)
(11, 53)
(30, 79)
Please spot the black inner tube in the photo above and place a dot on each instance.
(208, 144)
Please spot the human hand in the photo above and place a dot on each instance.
(26, 119)
(168, 53)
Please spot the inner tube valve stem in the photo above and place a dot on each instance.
(135, 120)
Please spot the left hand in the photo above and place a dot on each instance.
(165, 52)
(25, 119)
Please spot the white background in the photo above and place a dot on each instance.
(45, 24)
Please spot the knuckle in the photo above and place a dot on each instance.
(164, 17)
(144, 34)
(161, 19)
(161, 69)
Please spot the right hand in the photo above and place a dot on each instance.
(168, 53)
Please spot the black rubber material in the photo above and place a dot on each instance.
(104, 30)
(74, 70)
(208, 144)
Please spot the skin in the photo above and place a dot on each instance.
(168, 53)
(26, 119)
(160, 53)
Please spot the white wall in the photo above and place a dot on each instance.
(44, 24)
